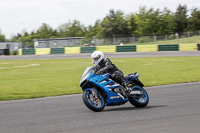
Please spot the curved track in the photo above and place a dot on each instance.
(172, 109)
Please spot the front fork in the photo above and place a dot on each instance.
(94, 92)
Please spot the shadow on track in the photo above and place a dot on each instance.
(134, 108)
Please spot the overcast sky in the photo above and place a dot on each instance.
(29, 15)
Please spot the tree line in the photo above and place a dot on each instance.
(147, 21)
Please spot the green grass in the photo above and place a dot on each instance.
(22, 79)
(195, 39)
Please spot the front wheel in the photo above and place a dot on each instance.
(95, 104)
(139, 100)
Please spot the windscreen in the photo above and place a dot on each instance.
(86, 73)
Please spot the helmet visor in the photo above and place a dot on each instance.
(94, 60)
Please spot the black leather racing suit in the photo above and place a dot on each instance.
(106, 66)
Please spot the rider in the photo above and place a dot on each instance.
(104, 65)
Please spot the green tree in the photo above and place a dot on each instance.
(2, 37)
(16, 38)
(94, 31)
(148, 21)
(181, 18)
(167, 22)
(131, 19)
(115, 24)
(45, 31)
(71, 29)
(194, 20)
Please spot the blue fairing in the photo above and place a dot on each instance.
(104, 83)
(107, 85)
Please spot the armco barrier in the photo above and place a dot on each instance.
(106, 49)
(87, 49)
(28, 51)
(20, 51)
(126, 48)
(169, 47)
(188, 47)
(146, 48)
(42, 51)
(131, 48)
(57, 50)
(72, 50)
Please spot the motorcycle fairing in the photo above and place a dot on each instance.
(106, 84)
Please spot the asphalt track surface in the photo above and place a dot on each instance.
(172, 109)
(109, 55)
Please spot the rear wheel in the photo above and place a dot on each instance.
(95, 104)
(139, 100)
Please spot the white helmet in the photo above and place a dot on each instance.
(97, 54)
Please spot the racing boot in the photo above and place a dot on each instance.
(126, 88)
(123, 91)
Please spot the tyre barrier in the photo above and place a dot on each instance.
(126, 48)
(106, 49)
(170, 47)
(28, 51)
(188, 47)
(72, 50)
(42, 51)
(57, 50)
(109, 49)
(88, 49)
(146, 48)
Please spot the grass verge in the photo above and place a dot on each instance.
(20, 79)
(195, 39)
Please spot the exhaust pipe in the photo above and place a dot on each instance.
(135, 93)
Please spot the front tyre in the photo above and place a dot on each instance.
(141, 100)
(95, 104)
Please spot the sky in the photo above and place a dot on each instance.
(17, 16)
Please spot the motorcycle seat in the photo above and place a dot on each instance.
(129, 76)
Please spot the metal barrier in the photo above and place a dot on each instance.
(87, 49)
(4, 52)
(169, 47)
(28, 51)
(108, 49)
(126, 48)
(57, 50)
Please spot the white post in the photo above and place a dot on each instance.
(165, 37)
(155, 38)
(133, 38)
(177, 37)
(114, 40)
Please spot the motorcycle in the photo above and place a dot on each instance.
(100, 91)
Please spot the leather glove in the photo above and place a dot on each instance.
(99, 73)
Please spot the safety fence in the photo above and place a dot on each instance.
(109, 49)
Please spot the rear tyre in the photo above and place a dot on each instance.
(139, 101)
(92, 103)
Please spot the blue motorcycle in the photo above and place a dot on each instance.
(100, 91)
